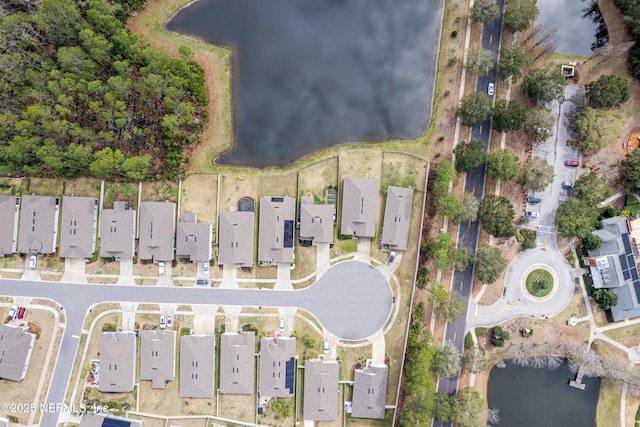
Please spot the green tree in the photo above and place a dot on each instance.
(598, 128)
(437, 294)
(474, 360)
(467, 408)
(442, 407)
(591, 242)
(445, 254)
(446, 360)
(539, 123)
(451, 308)
(512, 60)
(443, 173)
(485, 11)
(185, 52)
(575, 218)
(136, 168)
(496, 215)
(489, 264)
(519, 14)
(448, 206)
(310, 340)
(106, 162)
(508, 116)
(469, 205)
(474, 108)
(544, 84)
(469, 155)
(480, 60)
(630, 171)
(499, 336)
(59, 20)
(605, 298)
(536, 173)
(609, 91)
(502, 164)
(591, 188)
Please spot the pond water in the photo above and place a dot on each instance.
(579, 25)
(310, 74)
(529, 397)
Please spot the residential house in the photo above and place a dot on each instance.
(16, 345)
(614, 265)
(158, 357)
(156, 231)
(316, 222)
(194, 239)
(397, 215)
(4, 422)
(78, 227)
(38, 224)
(359, 207)
(9, 215)
(277, 367)
(237, 365)
(321, 401)
(117, 361)
(104, 420)
(370, 392)
(235, 238)
(118, 231)
(197, 365)
(277, 229)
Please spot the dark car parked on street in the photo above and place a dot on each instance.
(533, 200)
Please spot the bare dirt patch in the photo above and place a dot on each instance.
(160, 191)
(200, 196)
(82, 187)
(45, 186)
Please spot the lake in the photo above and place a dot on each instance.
(529, 397)
(578, 23)
(311, 74)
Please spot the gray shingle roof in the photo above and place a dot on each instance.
(9, 214)
(117, 361)
(277, 229)
(78, 227)
(157, 228)
(277, 367)
(117, 231)
(397, 215)
(38, 224)
(197, 365)
(158, 357)
(370, 392)
(316, 221)
(237, 364)
(193, 240)
(100, 420)
(236, 237)
(16, 344)
(320, 391)
(359, 207)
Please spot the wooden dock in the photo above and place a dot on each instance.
(577, 383)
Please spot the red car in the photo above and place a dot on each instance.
(573, 163)
(20, 313)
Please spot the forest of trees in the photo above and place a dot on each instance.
(81, 95)
(631, 11)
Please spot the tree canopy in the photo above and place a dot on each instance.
(519, 14)
(446, 360)
(474, 108)
(539, 124)
(598, 128)
(469, 205)
(502, 164)
(467, 408)
(536, 173)
(605, 298)
(544, 84)
(80, 94)
(445, 254)
(508, 116)
(480, 60)
(609, 91)
(591, 188)
(485, 11)
(469, 155)
(630, 171)
(489, 264)
(496, 215)
(576, 218)
(512, 60)
(451, 308)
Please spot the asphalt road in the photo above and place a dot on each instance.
(352, 300)
(468, 235)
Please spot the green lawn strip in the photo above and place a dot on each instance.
(539, 275)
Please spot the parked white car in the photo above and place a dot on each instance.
(33, 262)
(205, 268)
(170, 321)
(163, 321)
(161, 268)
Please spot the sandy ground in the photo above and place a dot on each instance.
(200, 196)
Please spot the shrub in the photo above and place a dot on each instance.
(481, 332)
(454, 33)
(452, 61)
(468, 341)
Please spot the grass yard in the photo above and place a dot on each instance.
(160, 191)
(608, 410)
(82, 187)
(13, 186)
(539, 283)
(200, 196)
(626, 335)
(46, 186)
(127, 192)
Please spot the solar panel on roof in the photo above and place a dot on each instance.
(630, 260)
(110, 422)
(290, 370)
(277, 199)
(288, 234)
(636, 287)
(623, 262)
(626, 274)
(626, 243)
(634, 273)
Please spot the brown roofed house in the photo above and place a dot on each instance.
(117, 361)
(158, 357)
(397, 215)
(237, 365)
(320, 391)
(38, 224)
(118, 231)
(78, 227)
(277, 367)
(197, 365)
(9, 216)
(156, 232)
(16, 345)
(370, 392)
(359, 207)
